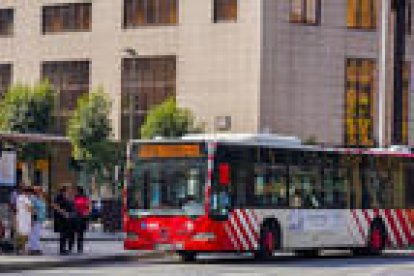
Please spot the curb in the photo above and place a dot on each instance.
(39, 265)
(87, 239)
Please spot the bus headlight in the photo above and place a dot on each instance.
(190, 226)
(131, 236)
(204, 236)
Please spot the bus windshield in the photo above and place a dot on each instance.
(167, 186)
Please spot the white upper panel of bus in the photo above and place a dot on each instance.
(246, 138)
(279, 141)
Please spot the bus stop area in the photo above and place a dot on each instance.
(95, 252)
(100, 247)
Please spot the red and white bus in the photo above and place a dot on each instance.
(261, 193)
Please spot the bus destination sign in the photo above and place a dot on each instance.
(169, 151)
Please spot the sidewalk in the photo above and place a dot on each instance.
(91, 235)
(94, 252)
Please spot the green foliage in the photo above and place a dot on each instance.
(311, 140)
(89, 129)
(28, 109)
(168, 120)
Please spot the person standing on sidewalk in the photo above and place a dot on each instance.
(23, 219)
(83, 210)
(12, 210)
(63, 219)
(39, 217)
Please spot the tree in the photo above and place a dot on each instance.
(28, 109)
(89, 130)
(311, 140)
(169, 120)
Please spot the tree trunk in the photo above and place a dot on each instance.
(28, 173)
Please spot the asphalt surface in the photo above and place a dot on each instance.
(398, 264)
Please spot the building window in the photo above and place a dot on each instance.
(70, 79)
(362, 14)
(305, 11)
(359, 102)
(225, 11)
(150, 12)
(146, 82)
(74, 17)
(5, 78)
(6, 22)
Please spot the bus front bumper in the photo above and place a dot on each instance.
(190, 245)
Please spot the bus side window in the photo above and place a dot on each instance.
(259, 183)
(409, 186)
(239, 186)
(146, 187)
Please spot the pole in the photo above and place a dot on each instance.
(399, 58)
(133, 54)
(57, 111)
(382, 87)
(131, 116)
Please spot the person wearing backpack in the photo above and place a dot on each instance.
(83, 210)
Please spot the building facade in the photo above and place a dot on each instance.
(298, 67)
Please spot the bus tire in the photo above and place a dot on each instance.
(307, 253)
(375, 242)
(269, 241)
(359, 251)
(188, 256)
(376, 239)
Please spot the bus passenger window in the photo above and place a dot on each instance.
(304, 185)
(270, 186)
(409, 188)
(296, 200)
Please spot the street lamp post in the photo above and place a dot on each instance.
(131, 52)
(131, 116)
(391, 63)
(57, 108)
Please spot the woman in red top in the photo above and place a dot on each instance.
(83, 209)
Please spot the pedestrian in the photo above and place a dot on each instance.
(83, 210)
(23, 219)
(63, 219)
(39, 217)
(12, 208)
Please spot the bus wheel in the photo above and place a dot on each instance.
(376, 239)
(359, 251)
(375, 243)
(308, 253)
(269, 241)
(187, 256)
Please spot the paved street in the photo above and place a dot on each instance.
(337, 264)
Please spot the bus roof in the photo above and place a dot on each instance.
(240, 138)
(278, 141)
(245, 138)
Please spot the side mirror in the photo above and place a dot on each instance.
(224, 174)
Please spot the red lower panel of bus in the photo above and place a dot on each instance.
(242, 230)
(175, 233)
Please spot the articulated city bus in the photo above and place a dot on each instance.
(261, 193)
